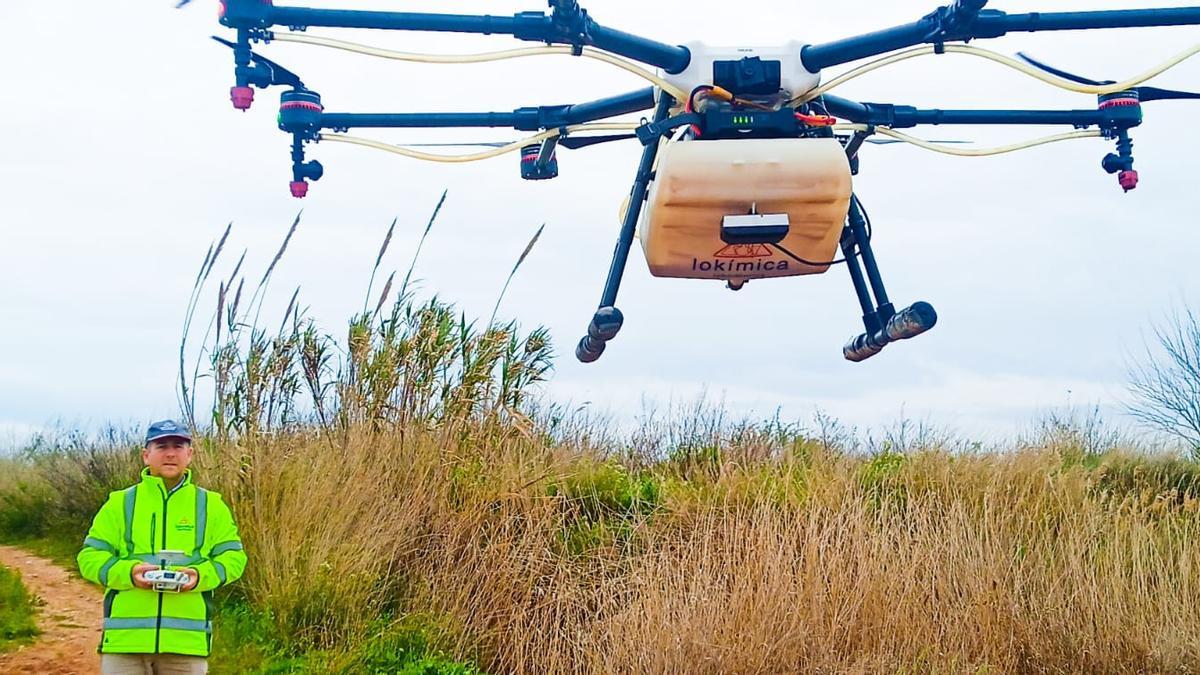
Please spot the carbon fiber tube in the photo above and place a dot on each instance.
(985, 24)
(635, 101)
(415, 120)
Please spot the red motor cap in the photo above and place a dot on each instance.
(1128, 179)
(242, 97)
(299, 188)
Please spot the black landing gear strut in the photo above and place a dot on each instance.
(882, 322)
(607, 321)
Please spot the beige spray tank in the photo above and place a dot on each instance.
(707, 194)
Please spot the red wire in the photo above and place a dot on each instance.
(816, 120)
(687, 107)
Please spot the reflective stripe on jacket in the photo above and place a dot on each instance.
(137, 525)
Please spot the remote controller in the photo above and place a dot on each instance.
(167, 580)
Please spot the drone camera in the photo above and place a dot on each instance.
(750, 75)
(754, 228)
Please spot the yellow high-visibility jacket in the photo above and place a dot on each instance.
(137, 525)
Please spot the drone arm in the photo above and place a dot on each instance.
(522, 119)
(567, 25)
(354, 18)
(671, 58)
(416, 120)
(992, 22)
(943, 24)
(948, 24)
(901, 117)
(612, 106)
(1115, 117)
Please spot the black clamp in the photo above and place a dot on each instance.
(573, 24)
(952, 22)
(649, 132)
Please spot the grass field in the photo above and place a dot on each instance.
(17, 625)
(758, 549)
(408, 505)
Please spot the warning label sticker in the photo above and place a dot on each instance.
(744, 251)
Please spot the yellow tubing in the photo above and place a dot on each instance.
(987, 152)
(1002, 59)
(980, 152)
(618, 126)
(477, 156)
(679, 94)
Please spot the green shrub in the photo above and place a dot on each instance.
(413, 646)
(25, 503)
(598, 491)
(1120, 475)
(17, 624)
(881, 479)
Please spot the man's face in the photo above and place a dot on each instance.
(168, 457)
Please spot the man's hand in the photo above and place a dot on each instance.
(193, 578)
(139, 578)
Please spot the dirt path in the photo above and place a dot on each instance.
(69, 619)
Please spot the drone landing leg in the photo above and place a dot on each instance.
(849, 249)
(858, 228)
(882, 322)
(607, 320)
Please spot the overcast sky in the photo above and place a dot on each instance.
(123, 159)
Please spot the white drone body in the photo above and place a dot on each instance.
(794, 77)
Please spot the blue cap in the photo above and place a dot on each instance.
(166, 429)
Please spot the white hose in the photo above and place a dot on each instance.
(588, 52)
(1005, 60)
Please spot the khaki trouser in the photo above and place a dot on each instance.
(152, 664)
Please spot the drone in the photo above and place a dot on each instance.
(746, 159)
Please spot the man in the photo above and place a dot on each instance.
(164, 522)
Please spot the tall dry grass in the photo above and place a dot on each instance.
(400, 362)
(537, 557)
(404, 473)
(422, 482)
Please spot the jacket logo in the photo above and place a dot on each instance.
(184, 525)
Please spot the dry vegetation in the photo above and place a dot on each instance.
(532, 554)
(418, 485)
(541, 558)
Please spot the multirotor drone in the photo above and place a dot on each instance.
(747, 159)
